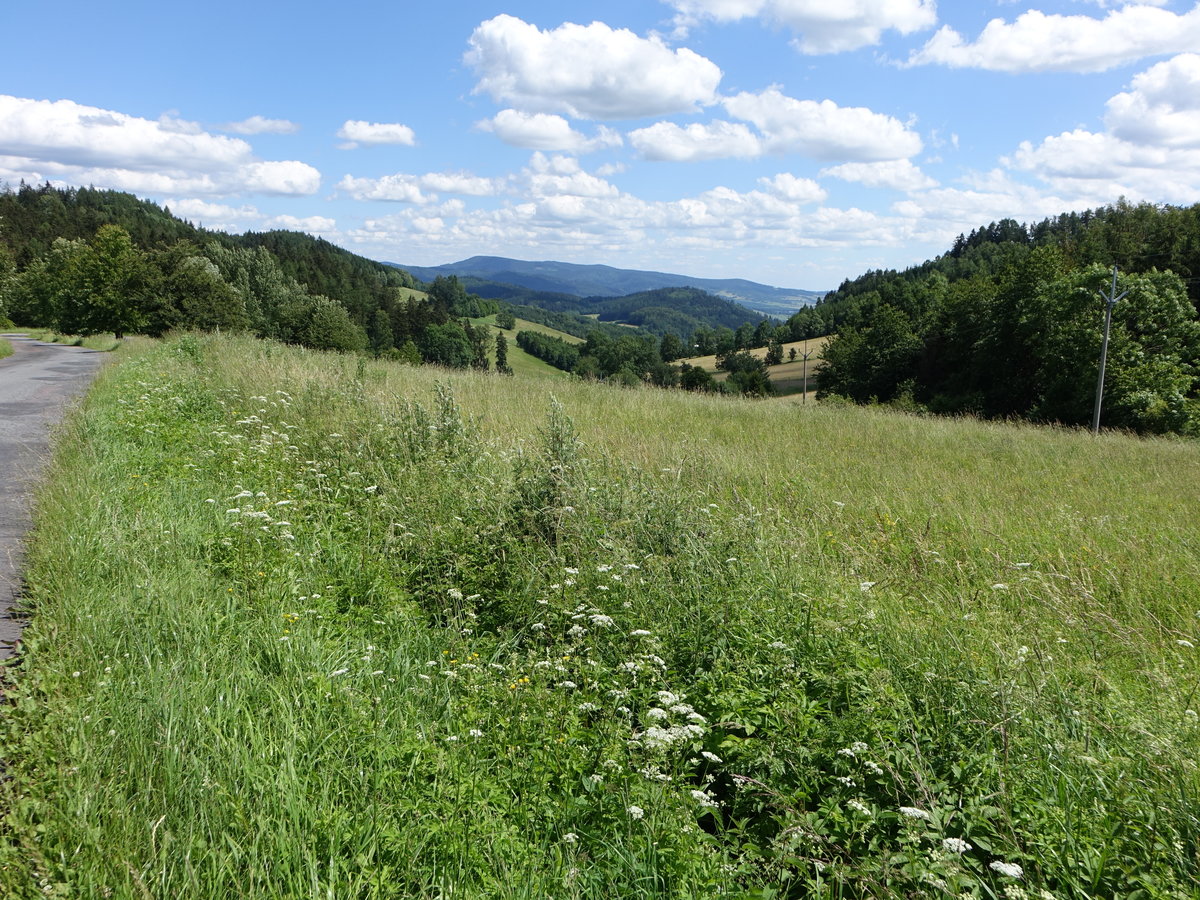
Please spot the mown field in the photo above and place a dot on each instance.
(310, 626)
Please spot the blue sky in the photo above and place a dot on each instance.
(792, 142)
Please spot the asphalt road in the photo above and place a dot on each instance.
(36, 384)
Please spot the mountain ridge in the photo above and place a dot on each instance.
(599, 280)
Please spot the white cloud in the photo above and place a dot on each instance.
(310, 224)
(77, 144)
(544, 131)
(419, 189)
(897, 174)
(356, 132)
(1091, 167)
(261, 125)
(557, 176)
(716, 140)
(824, 27)
(1163, 108)
(587, 71)
(788, 186)
(823, 130)
(1037, 42)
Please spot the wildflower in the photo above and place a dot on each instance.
(570, 837)
(571, 570)
(859, 807)
(639, 632)
(859, 747)
(636, 812)
(338, 672)
(955, 845)
(475, 733)
(705, 799)
(537, 626)
(604, 621)
(604, 568)
(1012, 870)
(567, 684)
(711, 757)
(576, 631)
(865, 586)
(999, 586)
(913, 813)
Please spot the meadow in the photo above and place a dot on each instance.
(304, 625)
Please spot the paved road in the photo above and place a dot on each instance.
(36, 383)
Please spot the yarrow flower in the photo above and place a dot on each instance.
(955, 845)
(1012, 870)
(636, 812)
(913, 813)
(859, 806)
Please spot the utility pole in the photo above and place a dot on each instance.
(804, 396)
(1110, 300)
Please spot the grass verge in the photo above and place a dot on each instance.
(307, 627)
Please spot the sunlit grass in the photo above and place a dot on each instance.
(306, 627)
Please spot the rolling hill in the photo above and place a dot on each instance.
(607, 281)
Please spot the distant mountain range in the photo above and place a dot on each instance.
(607, 281)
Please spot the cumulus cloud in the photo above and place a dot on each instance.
(1151, 150)
(1163, 107)
(356, 133)
(77, 144)
(261, 125)
(716, 140)
(419, 189)
(897, 174)
(310, 224)
(789, 187)
(823, 130)
(1037, 42)
(823, 27)
(544, 131)
(587, 71)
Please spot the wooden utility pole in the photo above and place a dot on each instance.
(804, 396)
(1110, 300)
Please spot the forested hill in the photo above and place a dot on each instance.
(606, 281)
(1008, 322)
(32, 218)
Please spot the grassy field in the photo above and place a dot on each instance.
(307, 627)
(519, 361)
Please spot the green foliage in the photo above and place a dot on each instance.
(556, 351)
(1009, 324)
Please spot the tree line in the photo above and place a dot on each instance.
(1008, 323)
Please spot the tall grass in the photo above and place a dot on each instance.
(309, 627)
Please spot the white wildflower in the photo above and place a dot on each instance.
(711, 757)
(955, 845)
(705, 799)
(475, 733)
(913, 813)
(635, 812)
(865, 586)
(639, 632)
(570, 837)
(1012, 870)
(859, 806)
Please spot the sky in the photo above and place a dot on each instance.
(791, 142)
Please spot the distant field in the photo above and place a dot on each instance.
(307, 625)
(788, 377)
(521, 362)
